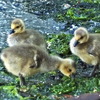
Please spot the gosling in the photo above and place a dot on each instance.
(87, 47)
(25, 60)
(19, 35)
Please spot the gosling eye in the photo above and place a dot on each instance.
(69, 70)
(81, 37)
(17, 26)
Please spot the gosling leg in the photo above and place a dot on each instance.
(93, 71)
(22, 80)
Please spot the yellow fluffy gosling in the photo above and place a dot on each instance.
(86, 46)
(20, 35)
(26, 60)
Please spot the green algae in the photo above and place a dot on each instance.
(51, 85)
(59, 44)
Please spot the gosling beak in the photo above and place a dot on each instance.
(76, 43)
(12, 31)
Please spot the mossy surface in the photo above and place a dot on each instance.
(72, 12)
(81, 13)
(58, 44)
(51, 85)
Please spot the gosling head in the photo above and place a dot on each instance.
(67, 67)
(81, 35)
(17, 26)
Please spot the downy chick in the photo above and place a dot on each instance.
(19, 35)
(26, 60)
(86, 46)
